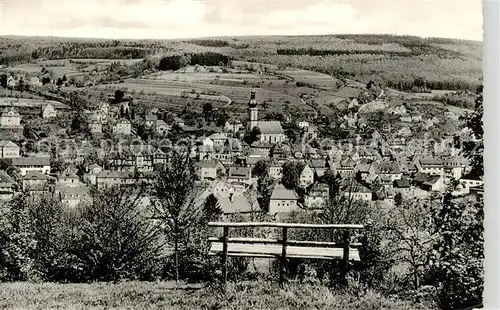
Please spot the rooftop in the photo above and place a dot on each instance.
(269, 127)
(31, 161)
(281, 193)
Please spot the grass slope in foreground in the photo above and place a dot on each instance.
(165, 295)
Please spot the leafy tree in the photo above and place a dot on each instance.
(291, 174)
(474, 149)
(455, 265)
(252, 136)
(119, 94)
(118, 238)
(174, 197)
(211, 209)
(3, 80)
(260, 169)
(207, 111)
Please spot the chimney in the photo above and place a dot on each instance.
(231, 197)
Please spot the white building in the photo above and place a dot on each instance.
(8, 149)
(10, 118)
(306, 176)
(271, 131)
(283, 200)
(48, 111)
(26, 164)
(123, 127)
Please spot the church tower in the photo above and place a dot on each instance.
(253, 111)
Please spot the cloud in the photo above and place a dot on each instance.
(197, 18)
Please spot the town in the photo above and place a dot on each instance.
(353, 166)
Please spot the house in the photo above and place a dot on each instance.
(240, 204)
(123, 127)
(346, 167)
(402, 186)
(26, 164)
(73, 196)
(389, 170)
(150, 120)
(303, 124)
(260, 149)
(275, 169)
(95, 127)
(468, 182)
(7, 186)
(104, 107)
(306, 176)
(8, 149)
(91, 176)
(429, 182)
(320, 166)
(429, 165)
(207, 170)
(34, 80)
(355, 191)
(111, 178)
(48, 111)
(283, 200)
(453, 168)
(233, 126)
(36, 181)
(239, 174)
(10, 118)
(161, 128)
(218, 139)
(366, 171)
(317, 196)
(69, 178)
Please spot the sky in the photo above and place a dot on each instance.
(172, 19)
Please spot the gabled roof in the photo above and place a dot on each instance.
(261, 145)
(402, 183)
(5, 179)
(387, 167)
(207, 164)
(239, 173)
(31, 161)
(429, 161)
(217, 136)
(237, 204)
(36, 175)
(318, 163)
(7, 143)
(151, 117)
(281, 193)
(269, 127)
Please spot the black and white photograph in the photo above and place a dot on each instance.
(202, 154)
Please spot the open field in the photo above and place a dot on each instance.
(239, 96)
(166, 295)
(30, 103)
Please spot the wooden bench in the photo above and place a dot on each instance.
(283, 248)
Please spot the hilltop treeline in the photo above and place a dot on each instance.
(177, 62)
(321, 52)
(422, 85)
(208, 42)
(13, 51)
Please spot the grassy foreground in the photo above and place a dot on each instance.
(166, 295)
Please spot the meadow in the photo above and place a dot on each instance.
(169, 295)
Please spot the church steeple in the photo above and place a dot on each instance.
(253, 111)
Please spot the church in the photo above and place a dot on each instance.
(271, 131)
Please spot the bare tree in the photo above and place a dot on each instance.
(174, 198)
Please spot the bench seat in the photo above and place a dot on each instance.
(274, 251)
